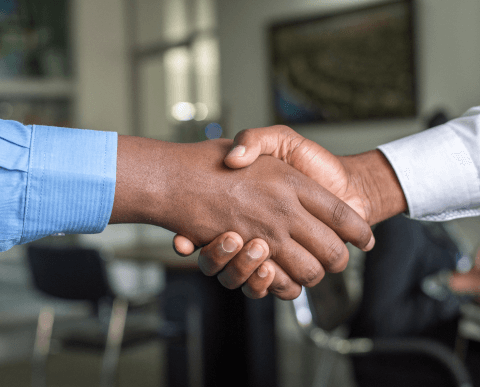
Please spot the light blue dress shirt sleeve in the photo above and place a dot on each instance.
(54, 180)
(439, 169)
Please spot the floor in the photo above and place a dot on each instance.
(19, 308)
(142, 367)
(138, 367)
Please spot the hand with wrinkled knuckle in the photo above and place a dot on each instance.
(337, 258)
(339, 213)
(313, 276)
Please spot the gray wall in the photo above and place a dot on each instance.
(448, 59)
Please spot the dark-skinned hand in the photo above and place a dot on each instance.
(366, 182)
(186, 188)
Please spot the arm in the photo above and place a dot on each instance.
(70, 180)
(186, 188)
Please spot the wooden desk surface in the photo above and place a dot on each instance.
(161, 253)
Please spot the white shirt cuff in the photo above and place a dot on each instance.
(437, 174)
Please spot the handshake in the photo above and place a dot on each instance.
(272, 210)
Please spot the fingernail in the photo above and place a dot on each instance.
(238, 151)
(370, 244)
(262, 271)
(255, 251)
(229, 245)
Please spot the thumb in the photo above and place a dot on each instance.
(245, 150)
(183, 246)
(250, 143)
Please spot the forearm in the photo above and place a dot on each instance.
(139, 175)
(174, 186)
(373, 176)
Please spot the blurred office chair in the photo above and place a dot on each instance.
(322, 313)
(392, 310)
(437, 287)
(468, 328)
(393, 316)
(75, 273)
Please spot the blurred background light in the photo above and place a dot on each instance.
(183, 111)
(213, 131)
(201, 111)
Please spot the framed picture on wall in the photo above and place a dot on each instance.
(347, 66)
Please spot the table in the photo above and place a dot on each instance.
(237, 333)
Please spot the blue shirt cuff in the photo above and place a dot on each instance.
(71, 181)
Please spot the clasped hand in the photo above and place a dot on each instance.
(295, 225)
(290, 233)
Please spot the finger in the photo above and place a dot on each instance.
(244, 264)
(311, 238)
(258, 283)
(183, 246)
(301, 266)
(251, 143)
(335, 214)
(283, 286)
(214, 256)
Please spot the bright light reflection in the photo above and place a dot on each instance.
(302, 309)
(183, 111)
(201, 111)
(464, 264)
(304, 316)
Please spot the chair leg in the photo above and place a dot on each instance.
(114, 342)
(42, 346)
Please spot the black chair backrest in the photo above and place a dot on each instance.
(71, 273)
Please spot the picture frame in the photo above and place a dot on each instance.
(346, 66)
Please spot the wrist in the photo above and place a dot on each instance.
(139, 174)
(377, 185)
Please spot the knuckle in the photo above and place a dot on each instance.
(285, 131)
(207, 267)
(365, 235)
(313, 276)
(281, 286)
(291, 295)
(227, 279)
(226, 283)
(252, 293)
(337, 257)
(290, 179)
(241, 272)
(296, 294)
(361, 234)
(340, 212)
(243, 135)
(208, 272)
(283, 208)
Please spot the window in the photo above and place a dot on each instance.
(176, 69)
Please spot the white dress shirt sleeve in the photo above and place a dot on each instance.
(438, 169)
